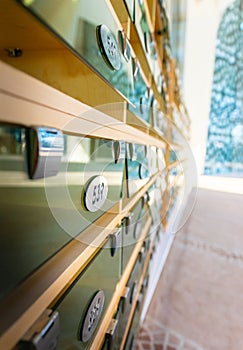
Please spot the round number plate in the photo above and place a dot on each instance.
(92, 316)
(108, 47)
(95, 194)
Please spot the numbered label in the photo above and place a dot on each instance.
(92, 316)
(108, 47)
(95, 194)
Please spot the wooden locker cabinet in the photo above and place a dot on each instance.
(46, 83)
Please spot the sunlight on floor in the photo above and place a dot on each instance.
(219, 183)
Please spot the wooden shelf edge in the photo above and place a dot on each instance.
(150, 6)
(46, 106)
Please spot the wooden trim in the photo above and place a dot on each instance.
(173, 164)
(140, 54)
(150, 7)
(21, 112)
(135, 121)
(46, 106)
(158, 96)
(46, 57)
(119, 11)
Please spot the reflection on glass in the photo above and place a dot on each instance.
(76, 23)
(10, 141)
(38, 217)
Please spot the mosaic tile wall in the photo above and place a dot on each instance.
(154, 336)
(224, 153)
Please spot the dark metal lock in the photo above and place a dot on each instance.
(133, 291)
(44, 147)
(135, 67)
(115, 241)
(143, 171)
(138, 229)
(110, 334)
(145, 284)
(43, 335)
(124, 45)
(116, 150)
(142, 252)
(154, 249)
(149, 97)
(119, 150)
(148, 244)
(150, 45)
(139, 301)
(124, 298)
(131, 152)
(92, 316)
(142, 103)
(128, 221)
(108, 47)
(146, 197)
(131, 346)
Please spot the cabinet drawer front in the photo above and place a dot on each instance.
(91, 31)
(40, 216)
(84, 305)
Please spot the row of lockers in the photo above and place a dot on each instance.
(73, 320)
(47, 181)
(94, 33)
(54, 185)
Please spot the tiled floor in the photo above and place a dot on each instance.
(154, 336)
(198, 301)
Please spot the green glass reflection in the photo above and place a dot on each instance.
(39, 217)
(76, 22)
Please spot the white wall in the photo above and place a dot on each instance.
(203, 17)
